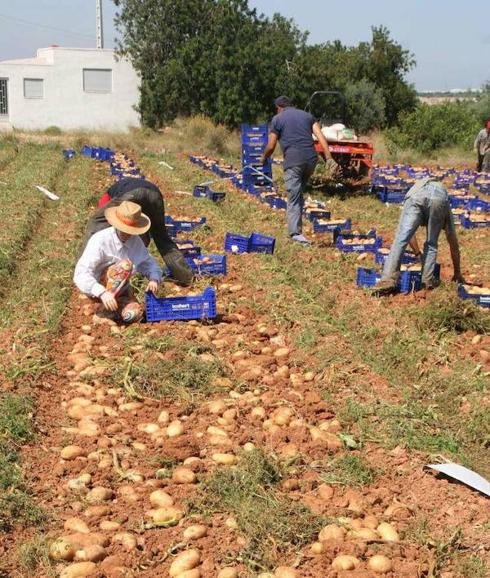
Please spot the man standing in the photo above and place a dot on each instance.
(294, 128)
(427, 204)
(482, 148)
(150, 199)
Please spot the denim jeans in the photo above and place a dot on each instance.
(429, 206)
(295, 180)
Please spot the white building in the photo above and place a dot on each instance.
(71, 88)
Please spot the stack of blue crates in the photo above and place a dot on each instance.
(254, 141)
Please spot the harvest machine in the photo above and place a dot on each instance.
(353, 157)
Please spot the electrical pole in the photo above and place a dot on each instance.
(99, 24)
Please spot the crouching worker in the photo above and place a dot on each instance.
(111, 257)
(149, 197)
(426, 204)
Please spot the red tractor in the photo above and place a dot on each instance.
(353, 157)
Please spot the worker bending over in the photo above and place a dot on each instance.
(111, 257)
(482, 148)
(294, 128)
(150, 199)
(426, 204)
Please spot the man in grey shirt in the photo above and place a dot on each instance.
(294, 129)
(482, 148)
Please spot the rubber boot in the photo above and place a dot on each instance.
(179, 267)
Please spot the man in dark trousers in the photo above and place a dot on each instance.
(294, 129)
(482, 148)
(150, 199)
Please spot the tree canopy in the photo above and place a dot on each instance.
(222, 59)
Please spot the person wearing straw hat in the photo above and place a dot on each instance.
(150, 199)
(110, 258)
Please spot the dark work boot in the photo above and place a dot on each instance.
(179, 267)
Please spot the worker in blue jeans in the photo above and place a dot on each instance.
(294, 129)
(427, 204)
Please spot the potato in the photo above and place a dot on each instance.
(364, 534)
(161, 499)
(72, 452)
(231, 523)
(216, 431)
(387, 532)
(285, 572)
(78, 570)
(175, 429)
(62, 550)
(228, 573)
(76, 525)
(109, 526)
(282, 416)
(194, 573)
(370, 521)
(380, 564)
(217, 407)
(248, 447)
(331, 532)
(224, 459)
(163, 417)
(126, 540)
(195, 532)
(186, 560)
(345, 562)
(183, 475)
(99, 494)
(167, 517)
(317, 548)
(92, 553)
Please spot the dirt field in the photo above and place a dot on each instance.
(306, 407)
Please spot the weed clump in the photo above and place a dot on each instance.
(271, 524)
(350, 470)
(453, 314)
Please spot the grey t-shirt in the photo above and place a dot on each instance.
(293, 128)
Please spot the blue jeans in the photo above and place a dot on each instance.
(429, 207)
(295, 180)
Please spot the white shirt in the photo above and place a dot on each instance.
(104, 249)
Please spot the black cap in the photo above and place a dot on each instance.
(283, 101)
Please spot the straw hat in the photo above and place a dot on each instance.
(128, 218)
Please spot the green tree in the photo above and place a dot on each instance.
(365, 106)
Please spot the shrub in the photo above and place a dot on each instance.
(431, 127)
(365, 106)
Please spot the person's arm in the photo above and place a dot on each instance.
(271, 146)
(476, 144)
(147, 266)
(84, 276)
(452, 240)
(152, 205)
(414, 244)
(317, 131)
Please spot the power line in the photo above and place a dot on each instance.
(26, 22)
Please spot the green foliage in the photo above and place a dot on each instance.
(432, 127)
(271, 524)
(349, 470)
(365, 106)
(34, 555)
(221, 59)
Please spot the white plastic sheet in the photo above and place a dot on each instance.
(464, 475)
(49, 194)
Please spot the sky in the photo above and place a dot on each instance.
(449, 38)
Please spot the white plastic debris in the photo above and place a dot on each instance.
(464, 475)
(49, 194)
(165, 164)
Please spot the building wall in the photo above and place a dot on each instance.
(65, 104)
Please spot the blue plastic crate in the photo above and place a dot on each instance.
(479, 205)
(188, 248)
(367, 277)
(208, 265)
(200, 191)
(86, 151)
(480, 299)
(371, 247)
(261, 243)
(331, 227)
(275, 202)
(253, 149)
(69, 153)
(181, 308)
(249, 130)
(391, 196)
(236, 243)
(381, 257)
(313, 214)
(471, 223)
(184, 225)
